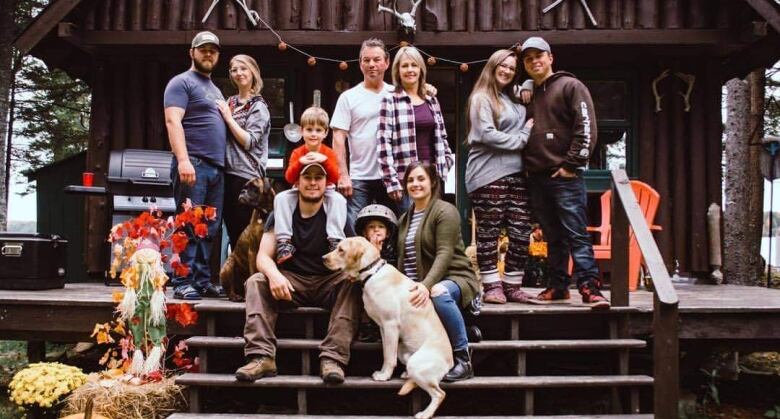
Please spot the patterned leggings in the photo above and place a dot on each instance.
(502, 204)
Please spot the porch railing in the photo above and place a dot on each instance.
(627, 213)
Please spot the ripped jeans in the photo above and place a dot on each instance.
(448, 308)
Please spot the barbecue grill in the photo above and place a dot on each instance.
(136, 180)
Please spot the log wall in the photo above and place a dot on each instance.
(432, 15)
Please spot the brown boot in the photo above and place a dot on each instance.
(494, 294)
(516, 295)
(331, 371)
(257, 367)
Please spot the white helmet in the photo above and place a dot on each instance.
(375, 212)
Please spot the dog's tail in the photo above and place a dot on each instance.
(408, 386)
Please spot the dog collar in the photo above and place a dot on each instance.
(366, 273)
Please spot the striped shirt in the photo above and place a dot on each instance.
(410, 253)
(397, 143)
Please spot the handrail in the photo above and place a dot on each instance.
(627, 213)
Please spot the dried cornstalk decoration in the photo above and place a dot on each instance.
(115, 399)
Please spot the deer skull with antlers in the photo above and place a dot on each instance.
(407, 25)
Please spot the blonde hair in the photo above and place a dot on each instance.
(315, 116)
(257, 81)
(487, 85)
(413, 54)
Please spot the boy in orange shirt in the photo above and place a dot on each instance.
(314, 127)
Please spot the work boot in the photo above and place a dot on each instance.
(284, 251)
(257, 367)
(462, 369)
(552, 296)
(514, 293)
(331, 371)
(494, 294)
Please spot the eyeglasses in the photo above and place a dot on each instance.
(508, 67)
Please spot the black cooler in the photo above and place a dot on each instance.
(32, 261)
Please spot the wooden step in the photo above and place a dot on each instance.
(490, 345)
(279, 416)
(509, 309)
(301, 382)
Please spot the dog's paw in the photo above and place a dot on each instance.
(381, 376)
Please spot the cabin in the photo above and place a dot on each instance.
(655, 69)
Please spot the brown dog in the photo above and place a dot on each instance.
(241, 264)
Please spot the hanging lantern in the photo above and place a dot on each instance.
(343, 66)
(311, 61)
(282, 46)
(431, 61)
(464, 67)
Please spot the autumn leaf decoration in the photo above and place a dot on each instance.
(137, 260)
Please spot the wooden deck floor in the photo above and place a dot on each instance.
(706, 311)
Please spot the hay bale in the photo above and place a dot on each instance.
(117, 399)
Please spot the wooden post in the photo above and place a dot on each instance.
(120, 15)
(136, 15)
(310, 12)
(211, 22)
(700, 13)
(648, 14)
(578, 17)
(459, 10)
(97, 161)
(672, 14)
(155, 125)
(104, 15)
(135, 99)
(331, 16)
(629, 14)
(485, 16)
(173, 15)
(118, 111)
(620, 241)
(562, 15)
(188, 15)
(154, 14)
(353, 15)
(665, 359)
(36, 351)
(531, 15)
(435, 16)
(229, 15)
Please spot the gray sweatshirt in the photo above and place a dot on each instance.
(494, 151)
(257, 122)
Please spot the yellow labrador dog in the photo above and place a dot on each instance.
(413, 335)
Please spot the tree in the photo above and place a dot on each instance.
(744, 185)
(7, 31)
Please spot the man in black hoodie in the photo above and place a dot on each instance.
(558, 150)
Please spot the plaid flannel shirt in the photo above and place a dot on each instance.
(397, 141)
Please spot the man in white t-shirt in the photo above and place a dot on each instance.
(356, 117)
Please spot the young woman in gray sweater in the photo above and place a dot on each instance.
(494, 179)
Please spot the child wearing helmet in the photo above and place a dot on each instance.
(377, 223)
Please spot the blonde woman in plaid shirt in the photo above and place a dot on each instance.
(411, 126)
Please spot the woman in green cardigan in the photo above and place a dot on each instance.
(431, 252)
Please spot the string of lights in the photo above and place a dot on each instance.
(344, 64)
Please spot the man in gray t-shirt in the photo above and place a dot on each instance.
(197, 134)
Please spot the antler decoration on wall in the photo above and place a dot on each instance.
(406, 20)
(689, 79)
(584, 5)
(664, 74)
(252, 15)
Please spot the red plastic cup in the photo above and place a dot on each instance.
(87, 178)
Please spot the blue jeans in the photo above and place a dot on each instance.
(209, 189)
(559, 206)
(365, 193)
(448, 309)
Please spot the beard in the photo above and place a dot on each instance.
(201, 66)
(311, 199)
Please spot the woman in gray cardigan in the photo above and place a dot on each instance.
(431, 252)
(494, 180)
(249, 123)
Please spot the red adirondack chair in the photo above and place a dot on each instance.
(648, 200)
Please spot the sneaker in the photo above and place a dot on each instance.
(212, 291)
(593, 297)
(494, 294)
(331, 371)
(552, 296)
(516, 295)
(186, 292)
(284, 251)
(257, 367)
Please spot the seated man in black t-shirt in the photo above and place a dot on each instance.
(301, 280)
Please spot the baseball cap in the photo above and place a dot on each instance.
(203, 38)
(311, 166)
(536, 43)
